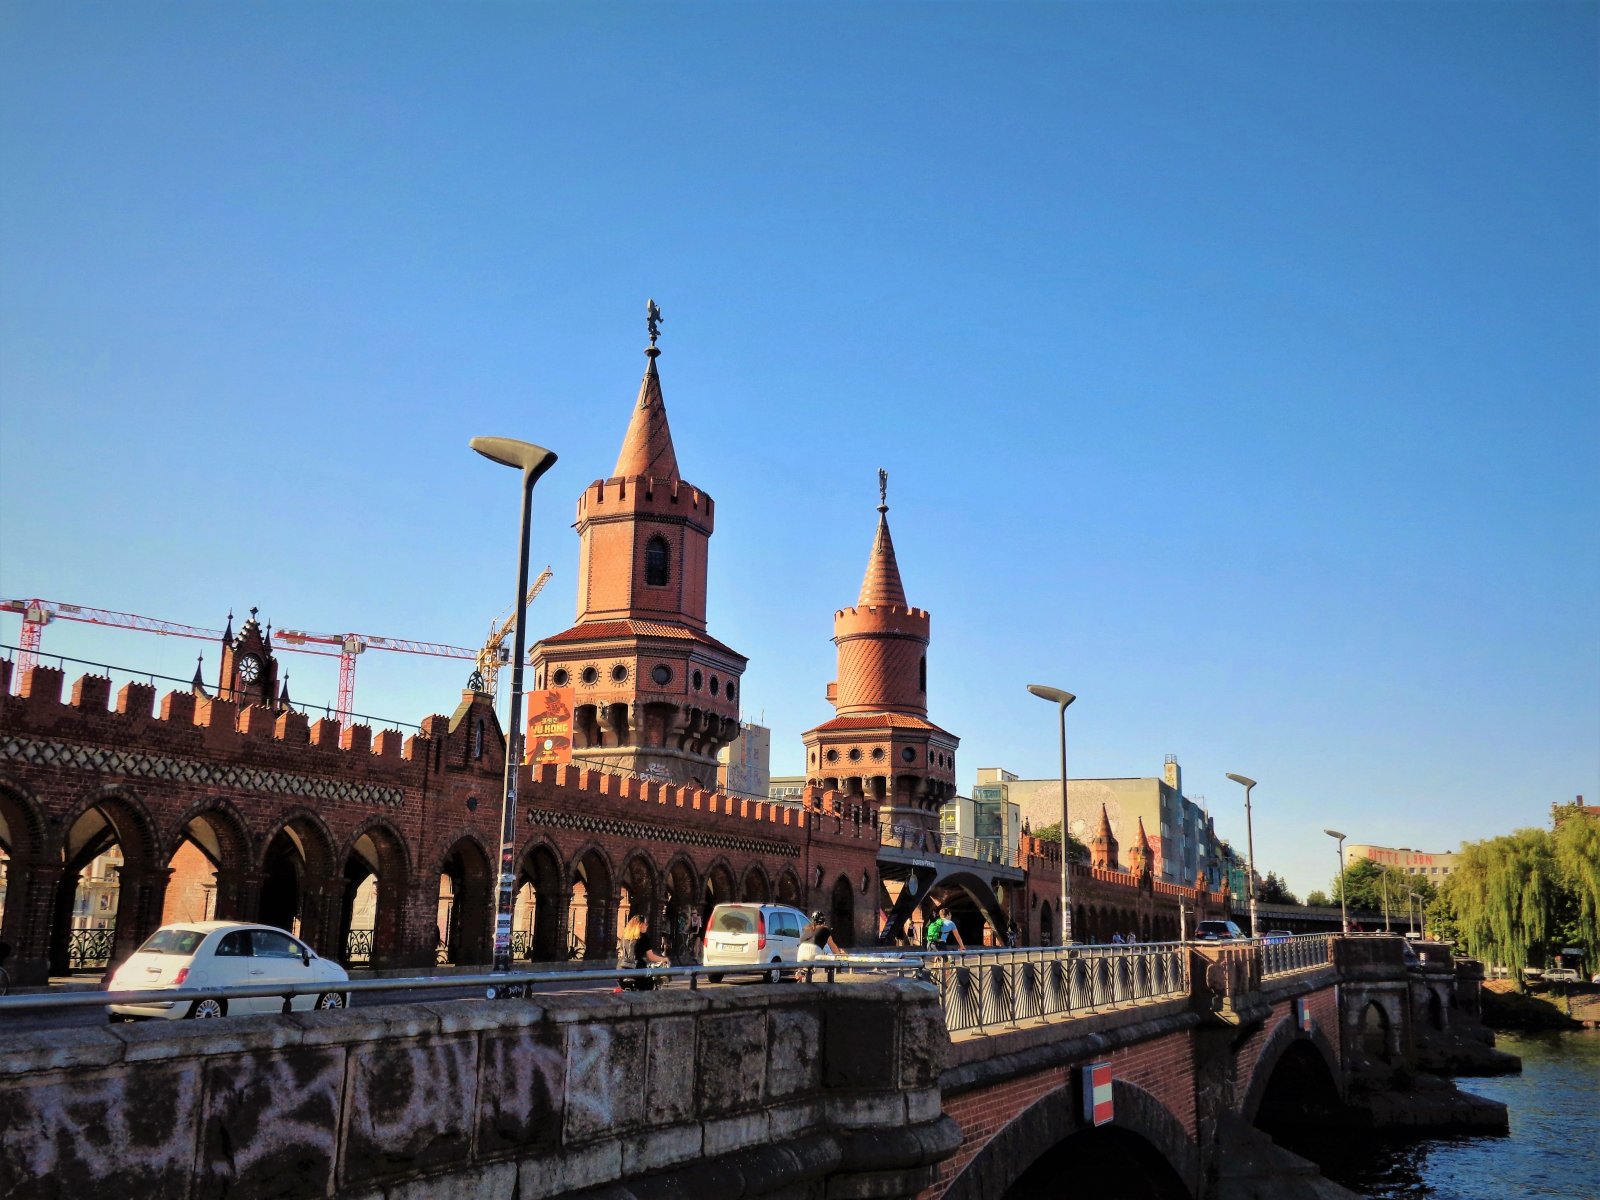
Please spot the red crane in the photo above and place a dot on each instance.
(36, 614)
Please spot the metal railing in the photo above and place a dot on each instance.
(1303, 952)
(900, 836)
(984, 988)
(358, 947)
(89, 949)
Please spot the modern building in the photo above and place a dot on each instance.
(1413, 862)
(744, 765)
(984, 825)
(786, 789)
(1182, 836)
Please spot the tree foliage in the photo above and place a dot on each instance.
(1052, 833)
(1515, 899)
(1370, 886)
(1274, 890)
(1319, 899)
(1577, 851)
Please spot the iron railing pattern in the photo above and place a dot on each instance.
(358, 946)
(89, 949)
(1302, 953)
(980, 989)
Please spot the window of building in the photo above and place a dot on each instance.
(655, 562)
(922, 674)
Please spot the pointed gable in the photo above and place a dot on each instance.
(881, 585)
(647, 447)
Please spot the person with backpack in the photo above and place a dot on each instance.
(942, 930)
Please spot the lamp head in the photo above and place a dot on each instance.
(1054, 695)
(509, 452)
(1248, 782)
(1334, 833)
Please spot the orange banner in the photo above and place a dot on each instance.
(550, 726)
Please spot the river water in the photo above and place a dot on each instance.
(1553, 1150)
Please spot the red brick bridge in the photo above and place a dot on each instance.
(971, 1088)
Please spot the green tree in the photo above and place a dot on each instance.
(1275, 891)
(1052, 833)
(1506, 894)
(1370, 886)
(1319, 899)
(1577, 851)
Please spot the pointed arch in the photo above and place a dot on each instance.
(754, 887)
(589, 878)
(539, 914)
(466, 887)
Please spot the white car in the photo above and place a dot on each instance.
(1561, 975)
(216, 954)
(752, 937)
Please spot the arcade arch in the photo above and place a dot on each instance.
(375, 876)
(464, 894)
(111, 885)
(536, 915)
(590, 882)
(297, 882)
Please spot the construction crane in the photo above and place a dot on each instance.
(36, 614)
(494, 654)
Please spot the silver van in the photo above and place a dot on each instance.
(760, 937)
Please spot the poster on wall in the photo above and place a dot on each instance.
(550, 726)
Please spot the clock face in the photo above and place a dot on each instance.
(249, 668)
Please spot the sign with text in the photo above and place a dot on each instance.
(550, 726)
(1097, 1105)
(1302, 1013)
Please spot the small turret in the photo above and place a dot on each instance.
(1103, 847)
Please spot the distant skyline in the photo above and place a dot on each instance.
(1234, 366)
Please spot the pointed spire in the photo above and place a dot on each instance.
(647, 446)
(198, 686)
(283, 695)
(881, 585)
(227, 634)
(1143, 843)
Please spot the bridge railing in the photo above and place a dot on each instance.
(1284, 956)
(984, 988)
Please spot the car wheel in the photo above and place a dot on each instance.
(775, 975)
(202, 1009)
(333, 1000)
(715, 978)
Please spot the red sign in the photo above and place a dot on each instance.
(1097, 1105)
(550, 726)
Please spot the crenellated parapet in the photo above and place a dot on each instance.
(664, 500)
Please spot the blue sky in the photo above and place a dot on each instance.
(1234, 365)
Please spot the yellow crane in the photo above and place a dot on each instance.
(494, 654)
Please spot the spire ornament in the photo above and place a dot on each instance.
(652, 321)
(883, 490)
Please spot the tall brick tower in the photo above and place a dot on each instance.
(881, 745)
(654, 694)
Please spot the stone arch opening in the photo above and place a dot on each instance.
(788, 888)
(591, 901)
(462, 934)
(1047, 928)
(842, 906)
(636, 897)
(372, 903)
(207, 868)
(22, 851)
(683, 920)
(719, 889)
(298, 887)
(109, 896)
(536, 911)
(755, 889)
(1300, 1101)
(1103, 1161)
(1373, 1032)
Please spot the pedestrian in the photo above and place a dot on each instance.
(1013, 934)
(636, 955)
(816, 940)
(1116, 939)
(942, 930)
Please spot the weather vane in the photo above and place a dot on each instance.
(652, 319)
(883, 490)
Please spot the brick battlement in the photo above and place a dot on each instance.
(621, 497)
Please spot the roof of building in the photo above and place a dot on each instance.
(647, 446)
(878, 721)
(881, 584)
(600, 631)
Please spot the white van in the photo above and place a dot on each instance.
(753, 936)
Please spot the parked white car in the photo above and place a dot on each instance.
(764, 938)
(1562, 975)
(214, 954)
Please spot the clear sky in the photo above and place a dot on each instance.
(1235, 366)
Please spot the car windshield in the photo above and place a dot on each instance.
(173, 941)
(734, 920)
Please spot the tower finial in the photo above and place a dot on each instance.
(652, 321)
(883, 490)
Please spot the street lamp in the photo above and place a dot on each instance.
(1344, 910)
(1057, 697)
(533, 461)
(1422, 913)
(1250, 848)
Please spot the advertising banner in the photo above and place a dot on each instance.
(550, 726)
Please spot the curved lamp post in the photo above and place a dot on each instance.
(1421, 917)
(1344, 909)
(1250, 849)
(533, 461)
(1060, 698)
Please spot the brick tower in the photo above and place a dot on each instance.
(653, 693)
(1103, 846)
(881, 745)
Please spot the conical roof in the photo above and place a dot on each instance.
(881, 584)
(647, 448)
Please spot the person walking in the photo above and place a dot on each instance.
(942, 931)
(817, 941)
(636, 955)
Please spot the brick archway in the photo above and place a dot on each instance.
(210, 848)
(1052, 1119)
(1284, 1035)
(299, 889)
(109, 817)
(30, 883)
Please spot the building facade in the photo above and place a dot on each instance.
(1435, 866)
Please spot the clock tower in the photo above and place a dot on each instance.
(249, 673)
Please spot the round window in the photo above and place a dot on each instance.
(619, 673)
(855, 755)
(591, 675)
(559, 677)
(877, 753)
(832, 756)
(908, 755)
(698, 680)
(661, 673)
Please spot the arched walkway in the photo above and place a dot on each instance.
(536, 920)
(372, 908)
(30, 880)
(755, 889)
(636, 897)
(210, 868)
(842, 911)
(299, 888)
(683, 921)
(464, 896)
(108, 897)
(590, 883)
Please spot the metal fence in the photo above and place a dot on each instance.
(1284, 956)
(358, 946)
(1005, 987)
(89, 949)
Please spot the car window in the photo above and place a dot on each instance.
(172, 941)
(269, 943)
(787, 925)
(234, 945)
(733, 920)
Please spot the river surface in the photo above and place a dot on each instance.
(1553, 1150)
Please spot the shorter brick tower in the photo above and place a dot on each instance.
(249, 670)
(654, 694)
(1142, 859)
(881, 745)
(1103, 846)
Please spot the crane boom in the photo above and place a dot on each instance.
(493, 656)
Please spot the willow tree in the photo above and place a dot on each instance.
(1504, 893)
(1577, 851)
